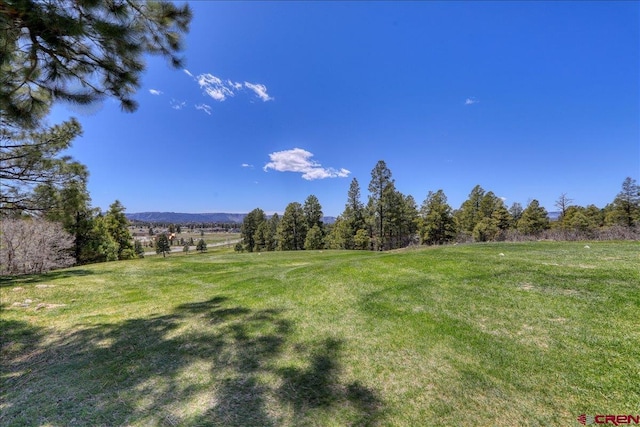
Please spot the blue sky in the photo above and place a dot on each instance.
(280, 100)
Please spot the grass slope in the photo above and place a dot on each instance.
(457, 335)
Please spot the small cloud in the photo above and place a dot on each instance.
(155, 92)
(504, 199)
(215, 87)
(177, 105)
(204, 107)
(187, 72)
(260, 90)
(235, 85)
(246, 165)
(470, 101)
(299, 160)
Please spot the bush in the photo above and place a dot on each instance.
(34, 246)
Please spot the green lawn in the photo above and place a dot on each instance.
(531, 334)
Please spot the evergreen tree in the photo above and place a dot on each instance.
(486, 230)
(80, 51)
(625, 209)
(250, 226)
(162, 245)
(118, 226)
(354, 208)
(70, 206)
(378, 189)
(32, 158)
(340, 236)
(488, 204)
(75, 51)
(361, 240)
(313, 212)
(436, 220)
(292, 229)
(100, 246)
(534, 219)
(260, 236)
(314, 238)
(409, 220)
(351, 220)
(595, 215)
(579, 219)
(470, 212)
(400, 222)
(271, 239)
(501, 216)
(493, 218)
(201, 246)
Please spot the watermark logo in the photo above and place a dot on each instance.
(586, 419)
(616, 420)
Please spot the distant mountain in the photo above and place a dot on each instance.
(554, 216)
(186, 218)
(196, 218)
(222, 218)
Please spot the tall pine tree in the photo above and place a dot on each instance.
(378, 190)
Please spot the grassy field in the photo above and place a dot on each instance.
(530, 334)
(210, 238)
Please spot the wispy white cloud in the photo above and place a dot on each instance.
(177, 105)
(260, 90)
(246, 165)
(219, 89)
(187, 72)
(155, 92)
(204, 107)
(235, 85)
(299, 160)
(215, 87)
(470, 101)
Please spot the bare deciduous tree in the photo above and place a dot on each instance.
(563, 203)
(33, 246)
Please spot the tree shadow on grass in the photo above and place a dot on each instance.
(207, 363)
(318, 387)
(11, 281)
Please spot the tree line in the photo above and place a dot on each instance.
(391, 220)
